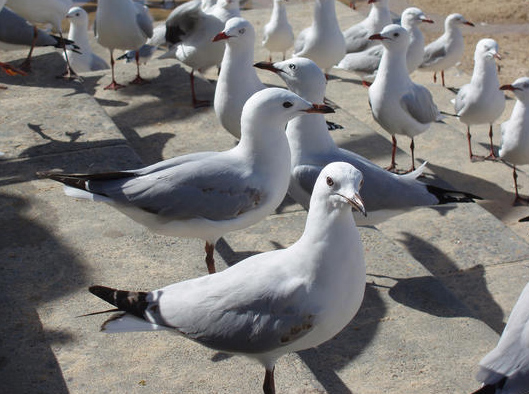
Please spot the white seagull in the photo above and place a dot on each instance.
(322, 42)
(191, 30)
(237, 80)
(85, 59)
(205, 195)
(505, 370)
(357, 36)
(366, 62)
(272, 303)
(481, 101)
(122, 24)
(398, 104)
(50, 12)
(515, 131)
(278, 35)
(312, 148)
(447, 50)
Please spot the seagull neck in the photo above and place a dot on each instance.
(238, 57)
(379, 16)
(324, 13)
(485, 73)
(393, 66)
(308, 135)
(279, 12)
(79, 35)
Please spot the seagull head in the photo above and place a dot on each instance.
(78, 16)
(339, 183)
(454, 20)
(237, 30)
(392, 36)
(487, 49)
(301, 75)
(520, 88)
(413, 16)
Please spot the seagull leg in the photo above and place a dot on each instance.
(69, 73)
(269, 386)
(138, 80)
(434, 77)
(517, 198)
(492, 155)
(26, 65)
(196, 103)
(113, 85)
(412, 149)
(471, 155)
(393, 165)
(443, 77)
(210, 261)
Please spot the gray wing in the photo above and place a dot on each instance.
(459, 103)
(182, 21)
(306, 175)
(17, 31)
(511, 355)
(419, 104)
(432, 54)
(356, 38)
(205, 189)
(364, 62)
(300, 40)
(234, 313)
(144, 20)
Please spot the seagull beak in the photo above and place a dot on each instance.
(371, 1)
(425, 19)
(221, 36)
(468, 23)
(267, 66)
(377, 37)
(496, 55)
(356, 202)
(509, 87)
(319, 109)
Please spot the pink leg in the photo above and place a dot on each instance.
(196, 103)
(393, 165)
(210, 261)
(443, 77)
(138, 80)
(492, 155)
(113, 85)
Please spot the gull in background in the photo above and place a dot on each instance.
(481, 101)
(205, 195)
(237, 80)
(312, 148)
(322, 42)
(122, 24)
(398, 104)
(447, 50)
(272, 303)
(278, 35)
(515, 131)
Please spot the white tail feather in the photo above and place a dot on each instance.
(85, 195)
(129, 323)
(415, 174)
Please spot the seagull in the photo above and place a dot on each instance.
(86, 60)
(399, 105)
(505, 370)
(16, 33)
(322, 42)
(147, 50)
(278, 35)
(50, 12)
(237, 80)
(447, 50)
(366, 62)
(205, 195)
(357, 36)
(515, 132)
(272, 303)
(481, 101)
(312, 148)
(122, 24)
(191, 30)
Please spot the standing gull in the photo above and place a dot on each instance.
(357, 36)
(481, 101)
(191, 30)
(237, 80)
(505, 370)
(85, 59)
(278, 34)
(515, 132)
(366, 62)
(272, 303)
(50, 12)
(447, 50)
(122, 24)
(322, 42)
(398, 104)
(205, 195)
(312, 148)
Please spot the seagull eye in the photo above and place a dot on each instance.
(330, 182)
(395, 34)
(77, 14)
(241, 31)
(292, 66)
(287, 104)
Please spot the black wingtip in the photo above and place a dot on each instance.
(488, 389)
(525, 219)
(77, 182)
(446, 196)
(132, 302)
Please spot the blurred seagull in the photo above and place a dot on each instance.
(278, 35)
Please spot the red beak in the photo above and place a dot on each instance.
(509, 87)
(427, 20)
(377, 37)
(469, 23)
(371, 1)
(221, 36)
(319, 109)
(267, 66)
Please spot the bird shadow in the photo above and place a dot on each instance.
(230, 256)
